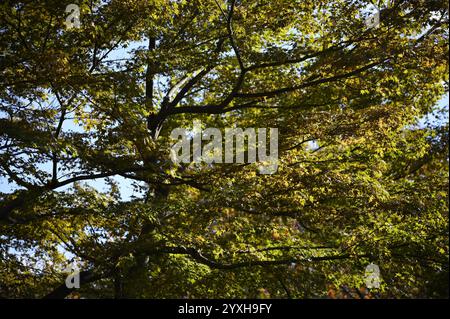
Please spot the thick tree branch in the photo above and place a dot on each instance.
(199, 257)
(86, 277)
(273, 93)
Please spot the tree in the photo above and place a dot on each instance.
(358, 181)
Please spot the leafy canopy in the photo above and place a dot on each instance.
(358, 181)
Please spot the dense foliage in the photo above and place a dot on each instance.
(359, 180)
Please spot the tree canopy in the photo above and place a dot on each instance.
(360, 180)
